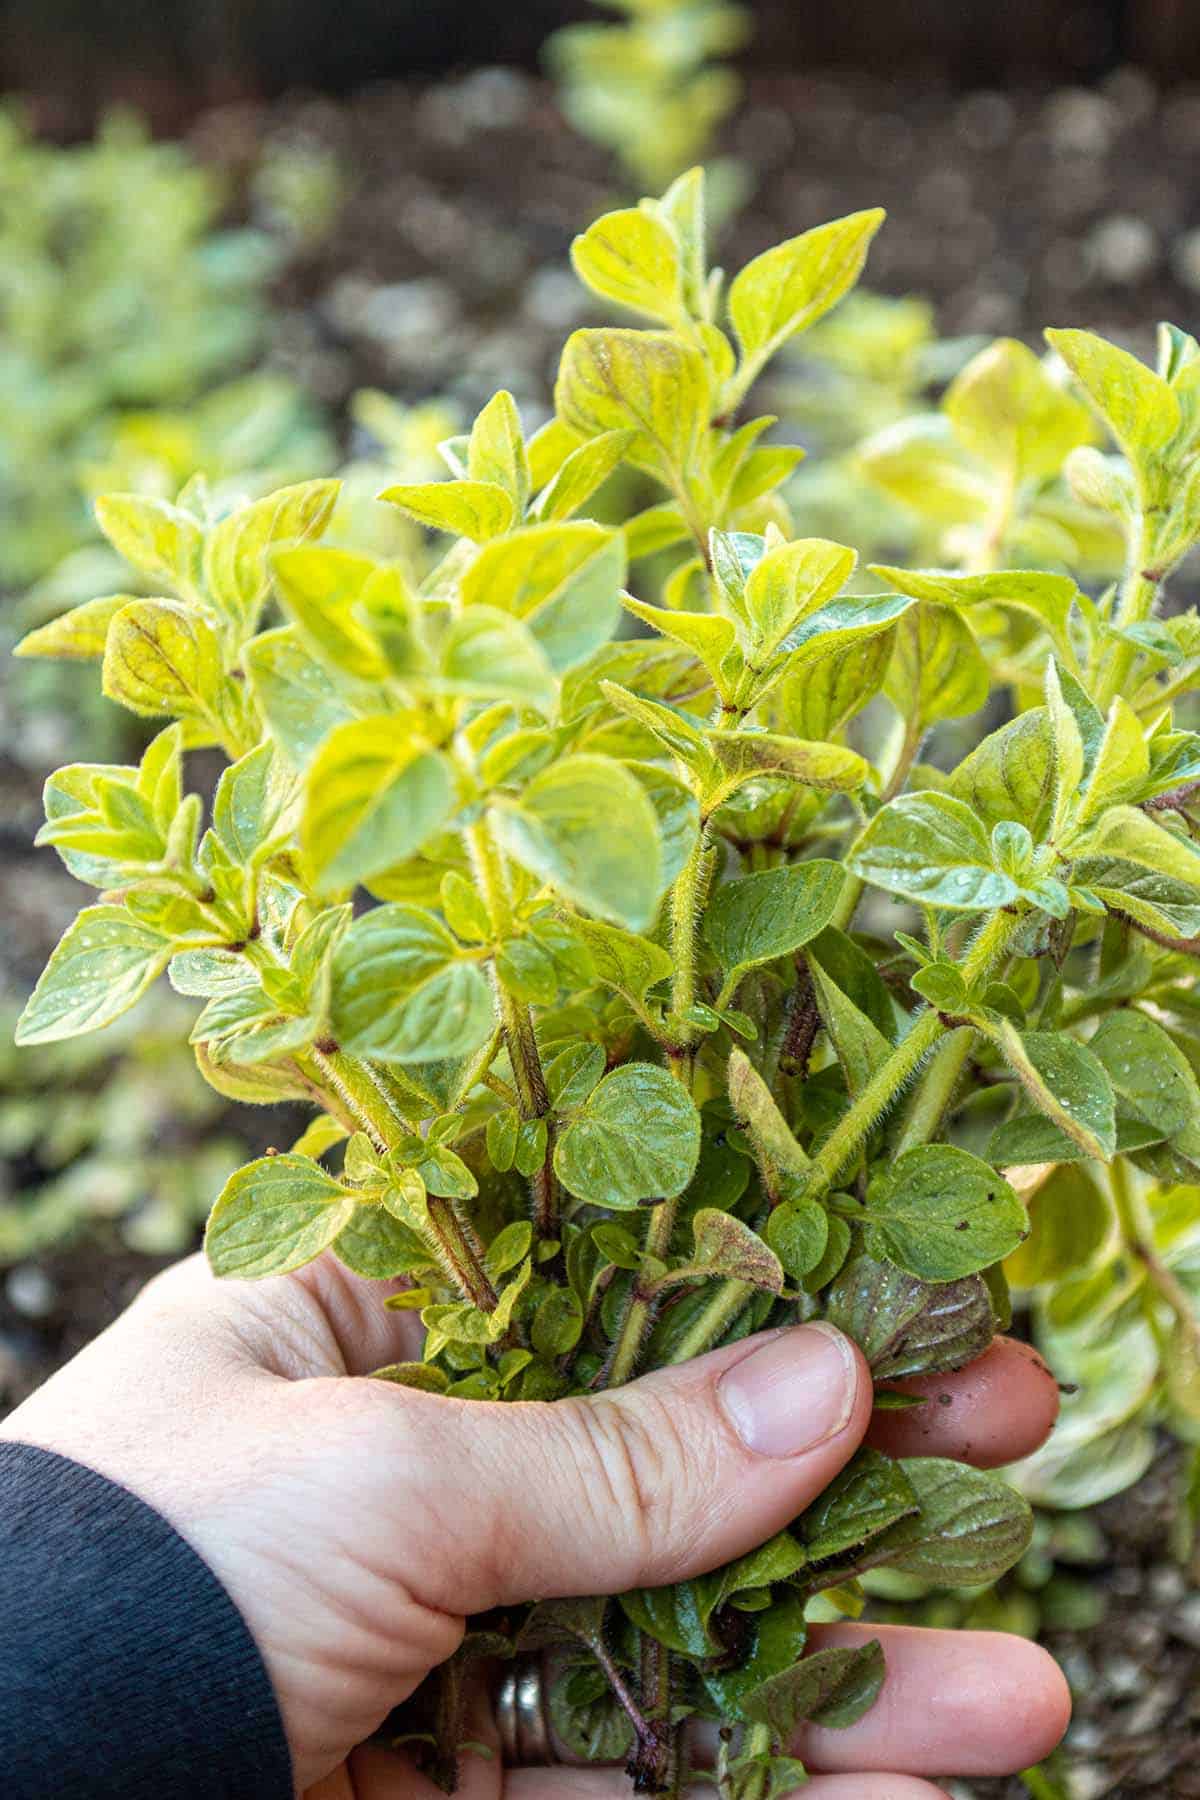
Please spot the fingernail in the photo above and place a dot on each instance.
(793, 1393)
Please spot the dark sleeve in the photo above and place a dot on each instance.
(126, 1672)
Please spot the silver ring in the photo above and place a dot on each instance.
(526, 1741)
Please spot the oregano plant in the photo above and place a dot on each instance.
(647, 986)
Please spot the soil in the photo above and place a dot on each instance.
(446, 273)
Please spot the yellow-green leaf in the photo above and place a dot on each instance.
(788, 288)
(478, 510)
(374, 796)
(162, 659)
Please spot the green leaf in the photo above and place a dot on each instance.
(479, 510)
(907, 1327)
(427, 1378)
(562, 581)
(779, 1633)
(1136, 867)
(931, 849)
(648, 382)
(637, 1138)
(789, 584)
(378, 1247)
(725, 1246)
(273, 1216)
(496, 452)
(709, 636)
(1007, 411)
(776, 1150)
(298, 699)
(971, 1528)
(1010, 775)
(1121, 766)
(78, 635)
(939, 1214)
(826, 692)
(583, 472)
(161, 541)
(486, 654)
(772, 913)
(401, 994)
(870, 1495)
(742, 756)
(103, 963)
(1069, 1220)
(561, 830)
(833, 1688)
(851, 969)
(937, 669)
(1046, 598)
(255, 806)
(1138, 406)
(861, 1047)
(323, 590)
(632, 965)
(633, 258)
(161, 658)
(790, 287)
(798, 1233)
(1150, 1075)
(236, 566)
(1067, 1083)
(373, 797)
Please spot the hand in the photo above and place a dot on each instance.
(355, 1524)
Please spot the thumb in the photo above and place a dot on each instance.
(666, 1478)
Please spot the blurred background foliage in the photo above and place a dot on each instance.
(272, 284)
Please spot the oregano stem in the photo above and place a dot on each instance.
(933, 1096)
(461, 1260)
(687, 905)
(894, 1074)
(727, 1304)
(359, 1098)
(516, 1020)
(1137, 1232)
(628, 1348)
(1139, 595)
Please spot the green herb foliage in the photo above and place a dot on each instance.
(647, 985)
(650, 88)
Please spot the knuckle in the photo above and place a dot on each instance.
(637, 1471)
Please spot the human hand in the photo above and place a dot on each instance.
(356, 1524)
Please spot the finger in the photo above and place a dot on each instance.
(667, 1477)
(999, 1408)
(377, 1773)
(597, 1784)
(953, 1702)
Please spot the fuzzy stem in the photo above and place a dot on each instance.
(1137, 1230)
(892, 1076)
(730, 1300)
(628, 1349)
(687, 904)
(458, 1256)
(517, 1022)
(933, 1096)
(1139, 594)
(358, 1097)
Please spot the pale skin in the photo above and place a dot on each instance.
(356, 1524)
